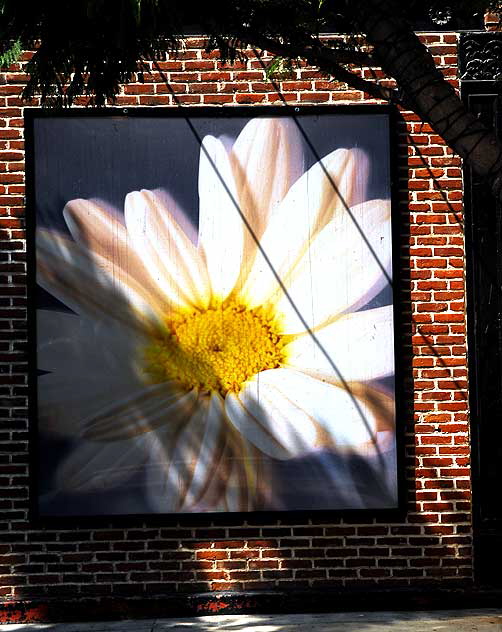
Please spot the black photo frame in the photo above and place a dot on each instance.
(123, 151)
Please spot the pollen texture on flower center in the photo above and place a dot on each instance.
(215, 350)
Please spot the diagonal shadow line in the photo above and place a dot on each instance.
(440, 189)
(332, 183)
(274, 272)
(441, 361)
(460, 223)
(466, 132)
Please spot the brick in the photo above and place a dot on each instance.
(217, 99)
(249, 98)
(211, 555)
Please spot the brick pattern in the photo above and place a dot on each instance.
(433, 542)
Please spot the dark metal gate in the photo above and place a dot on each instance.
(481, 85)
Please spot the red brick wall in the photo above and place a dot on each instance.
(432, 543)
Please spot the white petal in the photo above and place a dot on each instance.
(97, 466)
(107, 409)
(154, 406)
(171, 258)
(338, 181)
(98, 381)
(180, 470)
(204, 453)
(62, 403)
(78, 346)
(347, 264)
(234, 494)
(309, 205)
(86, 285)
(285, 413)
(357, 347)
(102, 232)
(267, 159)
(211, 497)
(221, 227)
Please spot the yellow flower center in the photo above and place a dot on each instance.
(215, 350)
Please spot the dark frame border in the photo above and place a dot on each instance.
(227, 518)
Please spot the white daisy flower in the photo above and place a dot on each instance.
(201, 360)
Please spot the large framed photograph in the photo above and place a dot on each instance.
(213, 311)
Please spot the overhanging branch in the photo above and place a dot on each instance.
(328, 60)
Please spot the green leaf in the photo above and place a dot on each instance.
(279, 68)
(11, 55)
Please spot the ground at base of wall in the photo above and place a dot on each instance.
(107, 609)
(445, 620)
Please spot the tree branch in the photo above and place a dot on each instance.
(328, 60)
(425, 90)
